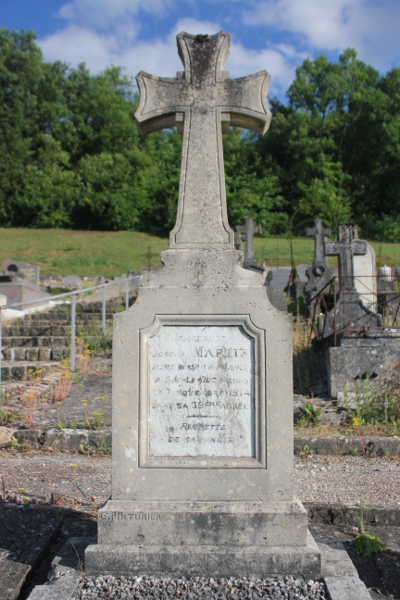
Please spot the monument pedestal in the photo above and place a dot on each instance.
(202, 430)
(208, 538)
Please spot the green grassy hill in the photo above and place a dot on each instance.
(109, 253)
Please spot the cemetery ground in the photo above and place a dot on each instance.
(56, 464)
(61, 251)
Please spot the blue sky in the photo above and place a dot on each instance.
(276, 35)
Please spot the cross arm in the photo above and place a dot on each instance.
(246, 101)
(332, 248)
(159, 99)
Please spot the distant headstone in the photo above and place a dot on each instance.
(23, 270)
(350, 310)
(202, 480)
(364, 269)
(347, 246)
(20, 283)
(246, 234)
(319, 274)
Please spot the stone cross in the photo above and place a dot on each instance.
(201, 101)
(345, 248)
(318, 232)
(246, 233)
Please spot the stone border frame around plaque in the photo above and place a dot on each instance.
(258, 460)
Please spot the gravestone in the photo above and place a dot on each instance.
(19, 283)
(350, 310)
(22, 269)
(202, 479)
(365, 280)
(319, 274)
(246, 234)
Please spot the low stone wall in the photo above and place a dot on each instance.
(70, 282)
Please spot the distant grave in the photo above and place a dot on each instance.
(19, 282)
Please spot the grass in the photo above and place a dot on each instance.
(111, 253)
(65, 252)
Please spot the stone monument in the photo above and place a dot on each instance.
(365, 280)
(19, 282)
(350, 310)
(202, 369)
(22, 270)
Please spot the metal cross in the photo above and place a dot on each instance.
(149, 255)
(201, 101)
(318, 232)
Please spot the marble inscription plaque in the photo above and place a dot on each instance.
(201, 392)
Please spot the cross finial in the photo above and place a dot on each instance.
(200, 101)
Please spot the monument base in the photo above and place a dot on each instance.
(218, 539)
(204, 561)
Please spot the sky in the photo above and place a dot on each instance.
(277, 35)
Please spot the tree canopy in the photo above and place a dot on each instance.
(72, 155)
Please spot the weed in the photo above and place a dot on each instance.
(311, 414)
(380, 408)
(368, 544)
(307, 450)
(96, 420)
(60, 382)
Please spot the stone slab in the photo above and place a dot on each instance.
(25, 534)
(346, 588)
(364, 268)
(335, 562)
(218, 561)
(203, 524)
(66, 570)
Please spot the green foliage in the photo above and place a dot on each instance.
(311, 413)
(73, 157)
(368, 544)
(380, 407)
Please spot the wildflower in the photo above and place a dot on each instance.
(20, 490)
(356, 422)
(84, 403)
(73, 466)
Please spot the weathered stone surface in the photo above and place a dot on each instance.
(357, 359)
(335, 562)
(196, 524)
(6, 435)
(203, 99)
(66, 570)
(23, 270)
(18, 524)
(346, 588)
(365, 281)
(202, 346)
(220, 561)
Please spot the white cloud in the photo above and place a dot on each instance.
(104, 13)
(369, 26)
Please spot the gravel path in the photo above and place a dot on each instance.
(200, 588)
(330, 479)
